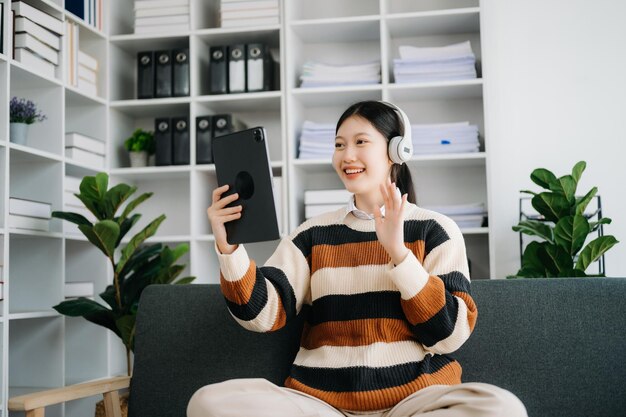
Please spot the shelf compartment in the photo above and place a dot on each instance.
(445, 90)
(35, 286)
(85, 116)
(325, 9)
(426, 6)
(434, 23)
(92, 43)
(48, 97)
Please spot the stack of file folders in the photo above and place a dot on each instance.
(317, 202)
(82, 68)
(315, 74)
(29, 214)
(162, 16)
(237, 13)
(37, 41)
(71, 203)
(445, 138)
(465, 215)
(430, 64)
(84, 150)
(317, 141)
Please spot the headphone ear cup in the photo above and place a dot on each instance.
(400, 149)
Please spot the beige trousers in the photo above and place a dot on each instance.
(261, 398)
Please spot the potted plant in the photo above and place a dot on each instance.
(563, 227)
(135, 266)
(22, 112)
(139, 146)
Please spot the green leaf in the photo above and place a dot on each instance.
(71, 217)
(126, 325)
(106, 232)
(90, 310)
(582, 203)
(133, 204)
(185, 280)
(552, 206)
(528, 192)
(566, 186)
(572, 273)
(530, 258)
(594, 250)
(528, 273)
(555, 259)
(179, 251)
(126, 225)
(577, 171)
(115, 197)
(542, 177)
(108, 295)
(141, 257)
(571, 232)
(170, 275)
(138, 239)
(595, 225)
(535, 228)
(102, 183)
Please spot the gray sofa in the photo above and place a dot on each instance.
(559, 344)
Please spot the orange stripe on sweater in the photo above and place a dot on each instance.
(383, 398)
(355, 333)
(240, 291)
(281, 316)
(431, 299)
(472, 311)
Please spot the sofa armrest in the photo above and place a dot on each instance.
(35, 403)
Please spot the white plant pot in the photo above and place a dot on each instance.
(138, 159)
(18, 133)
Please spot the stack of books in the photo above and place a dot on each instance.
(237, 13)
(90, 11)
(445, 138)
(465, 215)
(161, 16)
(78, 289)
(29, 214)
(315, 74)
(84, 150)
(317, 202)
(37, 42)
(317, 141)
(71, 203)
(430, 64)
(82, 68)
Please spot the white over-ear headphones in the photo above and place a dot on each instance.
(400, 148)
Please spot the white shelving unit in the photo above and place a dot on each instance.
(41, 349)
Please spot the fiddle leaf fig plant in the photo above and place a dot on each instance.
(563, 227)
(134, 267)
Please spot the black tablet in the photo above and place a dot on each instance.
(242, 161)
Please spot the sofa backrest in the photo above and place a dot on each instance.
(559, 344)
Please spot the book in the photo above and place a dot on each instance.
(244, 14)
(340, 196)
(226, 23)
(41, 18)
(84, 142)
(162, 11)
(87, 61)
(151, 4)
(182, 27)
(31, 208)
(78, 289)
(84, 157)
(29, 223)
(249, 5)
(51, 39)
(87, 74)
(25, 40)
(35, 62)
(162, 20)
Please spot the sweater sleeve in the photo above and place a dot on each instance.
(436, 294)
(265, 298)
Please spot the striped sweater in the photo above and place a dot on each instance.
(374, 332)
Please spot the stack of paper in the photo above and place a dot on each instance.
(29, 214)
(452, 62)
(82, 68)
(71, 203)
(317, 141)
(445, 138)
(237, 13)
(315, 74)
(162, 16)
(465, 215)
(37, 41)
(322, 201)
(84, 150)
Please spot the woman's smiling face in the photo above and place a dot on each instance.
(360, 158)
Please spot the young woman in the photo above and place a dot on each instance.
(387, 289)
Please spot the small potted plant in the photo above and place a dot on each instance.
(139, 146)
(22, 112)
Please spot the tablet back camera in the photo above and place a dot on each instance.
(257, 136)
(244, 185)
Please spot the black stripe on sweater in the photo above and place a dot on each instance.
(455, 281)
(257, 301)
(360, 378)
(279, 280)
(370, 305)
(440, 326)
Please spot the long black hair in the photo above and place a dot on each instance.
(389, 123)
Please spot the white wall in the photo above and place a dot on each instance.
(555, 93)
